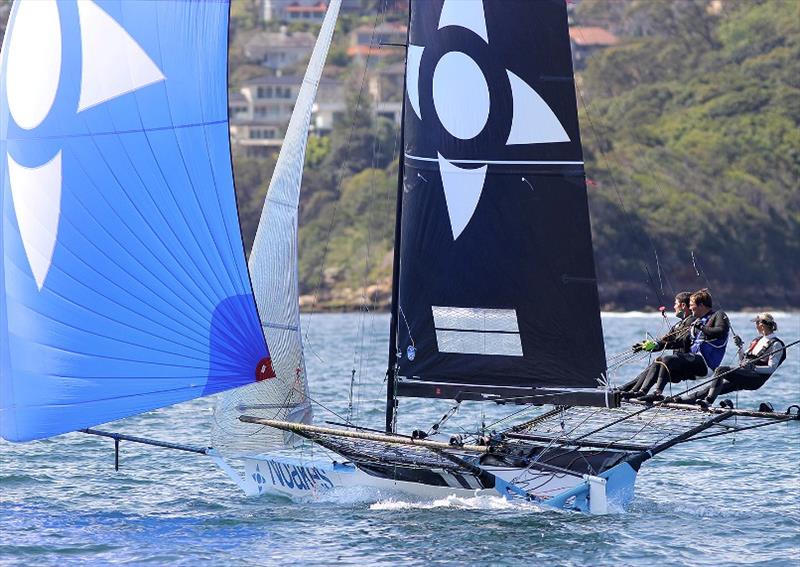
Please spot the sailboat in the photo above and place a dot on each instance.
(124, 285)
(494, 291)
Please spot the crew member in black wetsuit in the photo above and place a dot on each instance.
(709, 338)
(756, 364)
(676, 339)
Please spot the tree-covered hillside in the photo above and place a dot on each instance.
(691, 125)
(690, 129)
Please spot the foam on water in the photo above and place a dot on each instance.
(482, 502)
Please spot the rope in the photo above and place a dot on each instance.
(341, 173)
(698, 272)
(450, 413)
(627, 215)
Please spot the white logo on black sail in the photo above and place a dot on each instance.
(462, 102)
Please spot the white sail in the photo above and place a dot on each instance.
(274, 274)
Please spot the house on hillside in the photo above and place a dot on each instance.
(281, 49)
(329, 106)
(260, 111)
(370, 41)
(385, 84)
(586, 40)
(311, 11)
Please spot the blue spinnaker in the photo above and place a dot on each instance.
(123, 282)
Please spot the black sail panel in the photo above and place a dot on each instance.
(497, 277)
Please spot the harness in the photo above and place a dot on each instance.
(764, 361)
(712, 350)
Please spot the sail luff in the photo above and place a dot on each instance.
(273, 269)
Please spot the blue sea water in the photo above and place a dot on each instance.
(726, 500)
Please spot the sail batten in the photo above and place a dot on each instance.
(129, 290)
(497, 281)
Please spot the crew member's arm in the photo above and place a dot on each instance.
(717, 327)
(740, 354)
(674, 338)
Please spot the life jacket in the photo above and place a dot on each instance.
(764, 360)
(712, 351)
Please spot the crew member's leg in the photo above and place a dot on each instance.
(710, 391)
(677, 368)
(644, 380)
(739, 379)
(632, 386)
(698, 394)
(651, 376)
(722, 383)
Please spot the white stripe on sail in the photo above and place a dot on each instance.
(474, 330)
(274, 273)
(496, 161)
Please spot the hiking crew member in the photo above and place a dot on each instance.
(708, 333)
(675, 338)
(756, 364)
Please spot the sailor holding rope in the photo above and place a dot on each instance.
(756, 364)
(709, 338)
(675, 339)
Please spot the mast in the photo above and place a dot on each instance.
(391, 371)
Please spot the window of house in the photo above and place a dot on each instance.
(264, 92)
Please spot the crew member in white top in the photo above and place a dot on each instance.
(756, 364)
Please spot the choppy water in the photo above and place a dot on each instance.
(722, 501)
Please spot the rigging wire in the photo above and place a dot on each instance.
(341, 175)
(357, 360)
(699, 272)
(626, 214)
(502, 419)
(366, 300)
(658, 290)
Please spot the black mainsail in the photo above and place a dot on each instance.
(497, 288)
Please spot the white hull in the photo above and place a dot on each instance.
(295, 478)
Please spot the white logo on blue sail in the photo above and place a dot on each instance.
(462, 102)
(112, 64)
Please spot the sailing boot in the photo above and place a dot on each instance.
(654, 397)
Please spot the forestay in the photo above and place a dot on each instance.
(123, 281)
(273, 268)
(497, 278)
